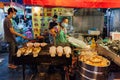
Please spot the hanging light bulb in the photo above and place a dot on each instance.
(36, 9)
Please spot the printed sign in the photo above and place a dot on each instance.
(116, 36)
(36, 20)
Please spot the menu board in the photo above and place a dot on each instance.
(58, 11)
(50, 12)
(36, 20)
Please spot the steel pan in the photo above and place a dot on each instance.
(88, 72)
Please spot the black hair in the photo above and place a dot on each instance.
(11, 10)
(15, 10)
(55, 16)
(61, 25)
(52, 25)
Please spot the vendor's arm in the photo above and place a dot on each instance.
(59, 28)
(65, 30)
(18, 34)
(40, 37)
(52, 31)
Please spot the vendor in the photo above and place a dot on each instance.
(52, 32)
(46, 35)
(61, 37)
(54, 19)
(10, 34)
(64, 24)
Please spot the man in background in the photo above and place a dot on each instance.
(54, 20)
(10, 34)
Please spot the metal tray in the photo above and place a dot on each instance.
(109, 54)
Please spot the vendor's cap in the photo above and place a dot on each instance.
(55, 16)
(53, 24)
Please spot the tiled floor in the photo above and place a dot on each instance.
(7, 74)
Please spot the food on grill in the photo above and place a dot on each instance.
(29, 44)
(21, 51)
(36, 44)
(88, 52)
(28, 50)
(59, 50)
(94, 60)
(36, 51)
(52, 51)
(67, 51)
(43, 44)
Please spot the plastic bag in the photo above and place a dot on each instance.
(77, 42)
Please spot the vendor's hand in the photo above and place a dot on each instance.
(40, 37)
(24, 37)
(67, 36)
(54, 35)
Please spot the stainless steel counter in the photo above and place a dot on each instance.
(109, 54)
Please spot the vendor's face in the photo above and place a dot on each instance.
(66, 21)
(54, 19)
(14, 14)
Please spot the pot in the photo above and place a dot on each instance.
(88, 72)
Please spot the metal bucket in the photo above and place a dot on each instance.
(88, 72)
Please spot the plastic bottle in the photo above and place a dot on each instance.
(93, 44)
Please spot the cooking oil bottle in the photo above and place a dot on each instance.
(93, 44)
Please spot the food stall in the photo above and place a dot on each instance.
(90, 61)
(43, 53)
